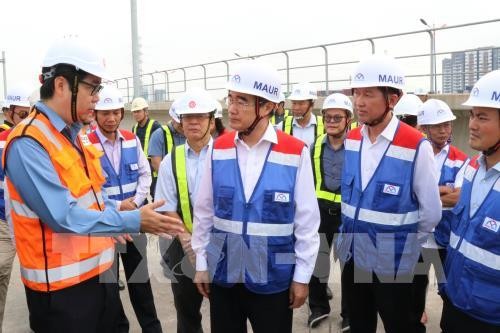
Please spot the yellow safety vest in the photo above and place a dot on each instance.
(149, 126)
(4, 127)
(321, 191)
(354, 125)
(169, 143)
(184, 207)
(273, 118)
(319, 128)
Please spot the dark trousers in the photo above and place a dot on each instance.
(455, 321)
(139, 287)
(318, 300)
(90, 306)
(187, 299)
(231, 307)
(427, 258)
(393, 301)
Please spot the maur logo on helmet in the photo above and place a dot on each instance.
(486, 91)
(378, 71)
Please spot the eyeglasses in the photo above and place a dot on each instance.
(96, 88)
(333, 119)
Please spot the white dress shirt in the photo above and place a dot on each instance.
(251, 161)
(483, 183)
(113, 150)
(425, 177)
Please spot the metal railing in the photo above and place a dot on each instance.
(168, 83)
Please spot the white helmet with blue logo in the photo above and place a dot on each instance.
(338, 101)
(303, 91)
(18, 95)
(195, 101)
(433, 112)
(378, 71)
(486, 91)
(257, 79)
(110, 98)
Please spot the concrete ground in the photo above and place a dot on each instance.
(16, 313)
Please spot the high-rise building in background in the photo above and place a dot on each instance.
(464, 68)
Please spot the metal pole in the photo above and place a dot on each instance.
(432, 62)
(136, 57)
(4, 71)
(204, 76)
(287, 71)
(326, 67)
(434, 59)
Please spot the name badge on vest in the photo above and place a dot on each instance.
(134, 166)
(391, 189)
(491, 224)
(281, 197)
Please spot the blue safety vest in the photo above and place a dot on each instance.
(252, 241)
(124, 184)
(379, 223)
(452, 164)
(473, 261)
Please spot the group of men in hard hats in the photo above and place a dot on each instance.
(248, 220)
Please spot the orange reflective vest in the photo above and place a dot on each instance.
(52, 261)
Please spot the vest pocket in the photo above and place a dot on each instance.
(346, 188)
(387, 196)
(224, 202)
(277, 207)
(486, 296)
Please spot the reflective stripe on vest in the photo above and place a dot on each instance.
(4, 127)
(180, 175)
(319, 127)
(146, 136)
(169, 143)
(321, 192)
(382, 218)
(253, 228)
(68, 271)
(475, 253)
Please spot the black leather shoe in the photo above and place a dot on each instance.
(316, 318)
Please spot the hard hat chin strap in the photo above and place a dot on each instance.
(74, 93)
(258, 118)
(490, 151)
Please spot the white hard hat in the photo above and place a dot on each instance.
(408, 104)
(138, 103)
(303, 91)
(218, 111)
(282, 97)
(378, 71)
(486, 91)
(110, 98)
(433, 112)
(195, 102)
(173, 113)
(257, 79)
(73, 51)
(19, 96)
(338, 101)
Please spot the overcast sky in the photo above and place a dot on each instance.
(180, 33)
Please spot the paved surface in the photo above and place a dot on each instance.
(16, 313)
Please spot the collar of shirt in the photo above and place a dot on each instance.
(190, 151)
(328, 144)
(444, 151)
(312, 121)
(104, 139)
(388, 132)
(492, 171)
(269, 135)
(57, 121)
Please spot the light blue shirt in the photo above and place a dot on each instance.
(166, 187)
(31, 171)
(157, 141)
(483, 182)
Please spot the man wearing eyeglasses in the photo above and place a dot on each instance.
(61, 218)
(256, 220)
(18, 107)
(328, 158)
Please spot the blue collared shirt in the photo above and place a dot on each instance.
(157, 141)
(484, 181)
(30, 169)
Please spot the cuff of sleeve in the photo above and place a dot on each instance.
(138, 202)
(301, 276)
(117, 204)
(422, 237)
(131, 220)
(201, 262)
